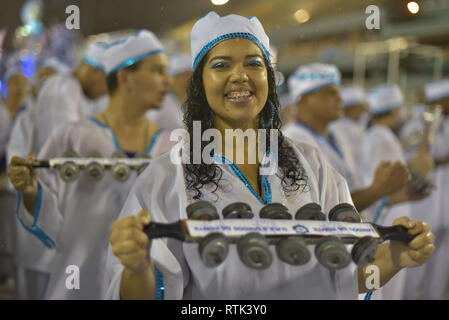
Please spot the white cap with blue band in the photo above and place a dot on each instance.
(131, 49)
(437, 90)
(94, 55)
(352, 96)
(213, 29)
(312, 78)
(384, 99)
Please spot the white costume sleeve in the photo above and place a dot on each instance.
(160, 188)
(46, 220)
(440, 145)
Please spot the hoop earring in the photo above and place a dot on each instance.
(268, 123)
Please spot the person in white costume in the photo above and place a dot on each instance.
(67, 97)
(11, 107)
(31, 257)
(351, 127)
(381, 144)
(315, 90)
(233, 87)
(76, 217)
(432, 280)
(170, 115)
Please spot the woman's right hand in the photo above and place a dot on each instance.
(22, 176)
(130, 244)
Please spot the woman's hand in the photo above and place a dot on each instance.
(22, 176)
(130, 244)
(419, 250)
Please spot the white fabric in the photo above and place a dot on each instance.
(78, 215)
(385, 98)
(162, 190)
(5, 123)
(436, 90)
(56, 65)
(179, 63)
(299, 133)
(380, 144)
(130, 49)
(169, 116)
(95, 55)
(212, 29)
(349, 134)
(311, 77)
(352, 95)
(60, 100)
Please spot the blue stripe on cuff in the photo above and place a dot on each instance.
(160, 293)
(38, 232)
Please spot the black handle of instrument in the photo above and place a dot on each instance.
(41, 164)
(156, 230)
(398, 233)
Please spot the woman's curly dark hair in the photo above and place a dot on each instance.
(196, 108)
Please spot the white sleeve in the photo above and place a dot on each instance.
(440, 145)
(47, 218)
(160, 188)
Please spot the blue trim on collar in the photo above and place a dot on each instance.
(233, 35)
(239, 174)
(38, 232)
(115, 139)
(114, 136)
(138, 58)
(153, 141)
(320, 137)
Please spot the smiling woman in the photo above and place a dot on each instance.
(232, 88)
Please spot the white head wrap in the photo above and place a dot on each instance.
(131, 49)
(94, 55)
(385, 98)
(213, 29)
(352, 96)
(437, 90)
(311, 78)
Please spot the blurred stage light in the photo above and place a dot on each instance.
(302, 16)
(219, 2)
(413, 7)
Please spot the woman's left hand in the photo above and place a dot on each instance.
(419, 250)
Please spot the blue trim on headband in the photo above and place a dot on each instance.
(132, 61)
(316, 89)
(93, 63)
(233, 35)
(316, 76)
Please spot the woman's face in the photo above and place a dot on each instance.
(149, 84)
(236, 82)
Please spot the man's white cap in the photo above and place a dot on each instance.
(94, 54)
(312, 78)
(352, 96)
(179, 63)
(385, 98)
(213, 29)
(131, 49)
(56, 65)
(437, 90)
